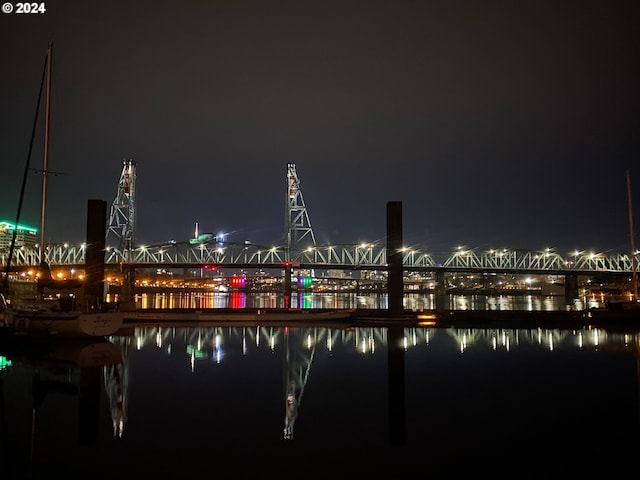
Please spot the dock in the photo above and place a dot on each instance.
(627, 320)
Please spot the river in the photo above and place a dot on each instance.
(323, 403)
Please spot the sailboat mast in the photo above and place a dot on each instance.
(634, 261)
(5, 284)
(45, 167)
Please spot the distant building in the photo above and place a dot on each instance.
(334, 273)
(25, 236)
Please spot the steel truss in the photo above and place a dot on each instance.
(297, 226)
(506, 259)
(122, 217)
(358, 256)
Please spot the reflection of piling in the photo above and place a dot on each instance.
(396, 386)
(94, 255)
(394, 258)
(89, 405)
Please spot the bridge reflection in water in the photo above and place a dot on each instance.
(245, 397)
(297, 346)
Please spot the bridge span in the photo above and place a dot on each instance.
(363, 256)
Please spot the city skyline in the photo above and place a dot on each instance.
(495, 125)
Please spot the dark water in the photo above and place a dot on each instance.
(323, 403)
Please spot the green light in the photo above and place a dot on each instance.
(4, 362)
(193, 351)
(11, 226)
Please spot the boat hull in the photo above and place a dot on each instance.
(63, 325)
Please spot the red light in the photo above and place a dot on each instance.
(237, 300)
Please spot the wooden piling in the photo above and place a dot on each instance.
(394, 258)
(94, 255)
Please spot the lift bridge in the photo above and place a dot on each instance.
(299, 249)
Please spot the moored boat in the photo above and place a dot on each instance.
(53, 317)
(53, 312)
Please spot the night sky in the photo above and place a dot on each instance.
(496, 124)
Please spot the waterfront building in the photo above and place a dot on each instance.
(25, 236)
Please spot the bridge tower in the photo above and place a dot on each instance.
(122, 215)
(297, 226)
